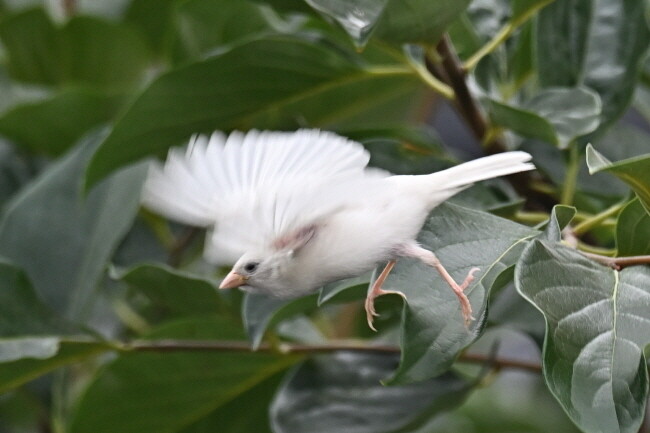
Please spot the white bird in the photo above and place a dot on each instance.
(294, 211)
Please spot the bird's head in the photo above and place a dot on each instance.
(272, 270)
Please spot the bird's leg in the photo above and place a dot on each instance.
(376, 291)
(427, 257)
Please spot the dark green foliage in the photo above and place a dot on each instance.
(98, 335)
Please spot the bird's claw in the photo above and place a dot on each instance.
(469, 278)
(370, 304)
(465, 305)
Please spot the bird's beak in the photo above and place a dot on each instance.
(232, 280)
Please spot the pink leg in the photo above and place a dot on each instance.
(426, 256)
(376, 291)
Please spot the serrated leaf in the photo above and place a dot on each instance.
(555, 115)
(633, 230)
(148, 392)
(62, 239)
(304, 79)
(599, 44)
(596, 330)
(176, 291)
(342, 393)
(433, 332)
(633, 171)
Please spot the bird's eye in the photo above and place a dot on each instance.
(250, 267)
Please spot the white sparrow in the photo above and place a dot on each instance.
(296, 210)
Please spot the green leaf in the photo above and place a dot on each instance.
(433, 332)
(239, 415)
(596, 329)
(28, 329)
(573, 112)
(556, 115)
(261, 312)
(65, 351)
(396, 21)
(418, 20)
(61, 120)
(154, 392)
(154, 20)
(177, 292)
(633, 230)
(85, 50)
(358, 17)
(402, 149)
(209, 25)
(34, 340)
(522, 121)
(32, 43)
(345, 290)
(342, 393)
(304, 79)
(16, 171)
(523, 7)
(561, 216)
(599, 44)
(64, 240)
(634, 171)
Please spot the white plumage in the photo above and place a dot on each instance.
(294, 211)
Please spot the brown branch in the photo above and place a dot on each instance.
(183, 241)
(618, 263)
(465, 101)
(243, 346)
(69, 7)
(450, 71)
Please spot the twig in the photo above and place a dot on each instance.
(596, 220)
(183, 241)
(69, 7)
(465, 102)
(571, 177)
(618, 262)
(450, 71)
(243, 346)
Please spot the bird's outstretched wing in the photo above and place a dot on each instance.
(250, 188)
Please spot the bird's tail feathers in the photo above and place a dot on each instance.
(488, 167)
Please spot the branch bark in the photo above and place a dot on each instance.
(180, 245)
(69, 7)
(450, 70)
(243, 346)
(618, 263)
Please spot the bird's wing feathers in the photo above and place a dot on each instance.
(250, 188)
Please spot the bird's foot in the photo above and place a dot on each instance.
(370, 303)
(459, 291)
